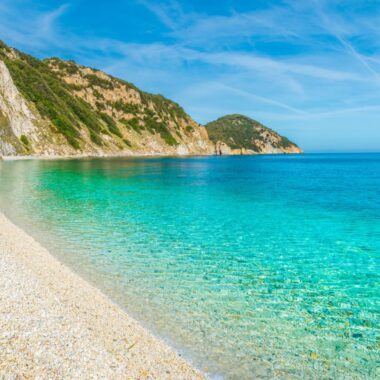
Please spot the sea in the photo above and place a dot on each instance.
(251, 267)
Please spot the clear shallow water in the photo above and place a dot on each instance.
(256, 267)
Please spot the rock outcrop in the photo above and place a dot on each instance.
(222, 148)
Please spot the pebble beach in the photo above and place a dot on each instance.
(53, 324)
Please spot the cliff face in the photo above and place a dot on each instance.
(15, 115)
(59, 108)
(238, 134)
(56, 107)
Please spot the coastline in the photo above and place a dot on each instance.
(137, 155)
(54, 324)
(92, 156)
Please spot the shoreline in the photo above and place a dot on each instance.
(93, 156)
(138, 155)
(54, 324)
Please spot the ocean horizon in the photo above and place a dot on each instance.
(251, 266)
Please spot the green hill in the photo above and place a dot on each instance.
(246, 135)
(57, 107)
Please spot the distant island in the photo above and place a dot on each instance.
(58, 108)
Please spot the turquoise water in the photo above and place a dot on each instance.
(253, 267)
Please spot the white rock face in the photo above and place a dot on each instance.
(14, 106)
(222, 148)
(182, 150)
(7, 149)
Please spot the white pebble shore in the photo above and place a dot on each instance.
(55, 325)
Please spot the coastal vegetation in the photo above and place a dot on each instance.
(24, 140)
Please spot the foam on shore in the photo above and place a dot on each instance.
(53, 324)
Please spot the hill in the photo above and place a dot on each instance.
(238, 134)
(56, 107)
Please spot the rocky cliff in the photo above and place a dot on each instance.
(238, 134)
(54, 108)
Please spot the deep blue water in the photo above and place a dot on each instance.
(254, 267)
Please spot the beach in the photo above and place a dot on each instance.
(53, 324)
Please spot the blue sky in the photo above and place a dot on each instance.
(308, 69)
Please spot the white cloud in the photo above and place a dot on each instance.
(169, 13)
(339, 29)
(30, 28)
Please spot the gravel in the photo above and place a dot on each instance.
(55, 325)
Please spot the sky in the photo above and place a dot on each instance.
(308, 69)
